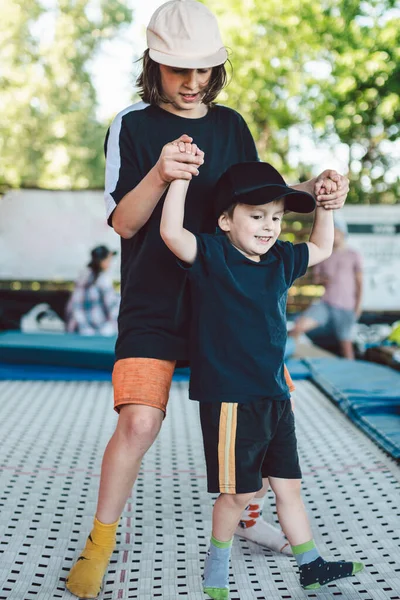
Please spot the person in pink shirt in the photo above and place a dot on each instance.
(340, 306)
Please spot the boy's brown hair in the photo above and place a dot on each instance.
(149, 82)
(231, 209)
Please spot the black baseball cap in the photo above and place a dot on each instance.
(102, 252)
(258, 183)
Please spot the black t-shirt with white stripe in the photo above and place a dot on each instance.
(154, 314)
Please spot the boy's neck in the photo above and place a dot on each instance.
(253, 257)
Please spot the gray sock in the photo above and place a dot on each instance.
(216, 567)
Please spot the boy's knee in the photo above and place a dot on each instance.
(303, 325)
(237, 500)
(287, 489)
(139, 424)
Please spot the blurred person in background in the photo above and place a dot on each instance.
(94, 304)
(340, 306)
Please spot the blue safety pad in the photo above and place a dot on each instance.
(181, 374)
(290, 347)
(50, 373)
(57, 349)
(69, 350)
(367, 392)
(355, 382)
(298, 369)
(53, 373)
(381, 423)
(60, 357)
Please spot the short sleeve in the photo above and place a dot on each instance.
(295, 257)
(203, 257)
(301, 258)
(249, 148)
(122, 171)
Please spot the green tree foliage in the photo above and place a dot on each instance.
(330, 69)
(360, 99)
(49, 135)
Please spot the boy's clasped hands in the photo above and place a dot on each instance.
(180, 159)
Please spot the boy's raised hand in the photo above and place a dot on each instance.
(178, 160)
(331, 189)
(325, 187)
(189, 148)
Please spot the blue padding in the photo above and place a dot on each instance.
(50, 373)
(181, 374)
(69, 350)
(381, 424)
(298, 369)
(355, 381)
(57, 349)
(367, 392)
(290, 347)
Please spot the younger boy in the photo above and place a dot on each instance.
(239, 282)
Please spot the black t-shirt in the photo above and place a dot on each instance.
(154, 314)
(238, 325)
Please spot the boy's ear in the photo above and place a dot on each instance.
(223, 222)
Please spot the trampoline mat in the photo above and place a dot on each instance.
(53, 437)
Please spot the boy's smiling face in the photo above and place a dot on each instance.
(253, 230)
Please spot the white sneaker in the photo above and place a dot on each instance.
(264, 534)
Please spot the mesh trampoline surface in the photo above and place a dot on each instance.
(53, 435)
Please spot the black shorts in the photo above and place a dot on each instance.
(245, 442)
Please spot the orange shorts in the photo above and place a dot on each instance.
(148, 381)
(142, 381)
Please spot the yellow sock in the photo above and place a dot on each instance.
(85, 577)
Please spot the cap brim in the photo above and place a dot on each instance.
(190, 62)
(295, 201)
(300, 202)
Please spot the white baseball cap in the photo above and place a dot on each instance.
(185, 34)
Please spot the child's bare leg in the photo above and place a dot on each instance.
(347, 349)
(291, 511)
(302, 325)
(136, 430)
(226, 514)
(262, 493)
(314, 570)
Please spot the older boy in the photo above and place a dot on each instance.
(239, 282)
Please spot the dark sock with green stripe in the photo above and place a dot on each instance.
(216, 570)
(305, 553)
(315, 571)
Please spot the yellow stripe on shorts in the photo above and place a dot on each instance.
(226, 447)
